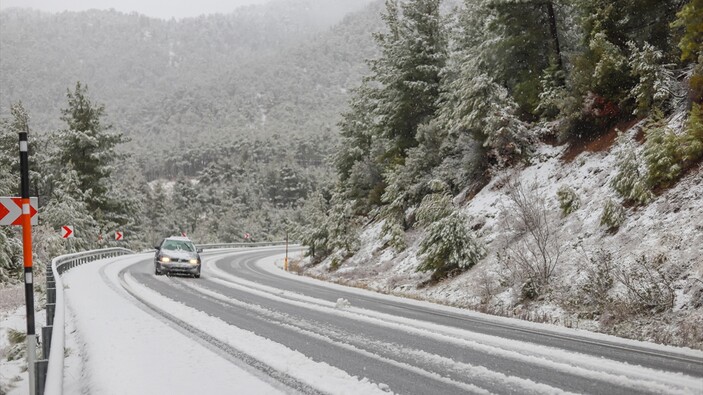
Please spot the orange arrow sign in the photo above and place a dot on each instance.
(67, 231)
(11, 210)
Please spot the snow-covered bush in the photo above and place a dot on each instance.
(555, 98)
(433, 208)
(613, 216)
(668, 154)
(568, 200)
(649, 284)
(656, 84)
(629, 182)
(449, 246)
(396, 235)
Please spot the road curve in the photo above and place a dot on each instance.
(415, 348)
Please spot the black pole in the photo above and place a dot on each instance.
(27, 251)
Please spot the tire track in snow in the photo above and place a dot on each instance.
(637, 379)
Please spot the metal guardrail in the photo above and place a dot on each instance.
(240, 245)
(53, 334)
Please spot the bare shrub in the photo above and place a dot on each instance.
(649, 285)
(534, 254)
(487, 287)
(296, 266)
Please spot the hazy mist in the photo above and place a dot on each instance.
(154, 8)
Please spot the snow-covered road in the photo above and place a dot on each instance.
(248, 327)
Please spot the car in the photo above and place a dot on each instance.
(177, 255)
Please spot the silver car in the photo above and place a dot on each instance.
(177, 255)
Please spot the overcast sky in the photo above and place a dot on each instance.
(156, 8)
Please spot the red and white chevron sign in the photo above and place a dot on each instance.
(67, 232)
(11, 210)
(118, 236)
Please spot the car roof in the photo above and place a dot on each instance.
(178, 238)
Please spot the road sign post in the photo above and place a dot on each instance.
(285, 263)
(27, 253)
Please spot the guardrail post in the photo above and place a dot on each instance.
(50, 309)
(40, 375)
(46, 340)
(51, 294)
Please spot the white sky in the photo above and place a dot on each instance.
(154, 8)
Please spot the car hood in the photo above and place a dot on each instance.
(179, 254)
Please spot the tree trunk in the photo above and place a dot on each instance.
(554, 33)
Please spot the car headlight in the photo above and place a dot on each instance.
(193, 261)
(165, 259)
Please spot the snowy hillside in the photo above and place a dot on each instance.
(654, 259)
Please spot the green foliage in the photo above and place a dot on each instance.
(630, 182)
(413, 53)
(690, 20)
(656, 80)
(396, 235)
(613, 216)
(621, 68)
(668, 154)
(449, 246)
(525, 46)
(311, 227)
(554, 97)
(89, 146)
(568, 200)
(434, 206)
(17, 345)
(478, 106)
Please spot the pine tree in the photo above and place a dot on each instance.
(68, 206)
(89, 145)
(10, 247)
(413, 55)
(526, 44)
(449, 246)
(400, 95)
(690, 22)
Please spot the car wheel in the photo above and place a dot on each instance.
(156, 270)
(197, 275)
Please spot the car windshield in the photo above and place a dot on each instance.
(178, 245)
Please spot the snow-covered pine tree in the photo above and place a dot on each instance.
(88, 143)
(413, 53)
(689, 23)
(449, 246)
(311, 227)
(657, 83)
(527, 42)
(630, 182)
(10, 246)
(67, 206)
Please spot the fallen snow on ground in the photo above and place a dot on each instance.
(115, 347)
(670, 226)
(128, 351)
